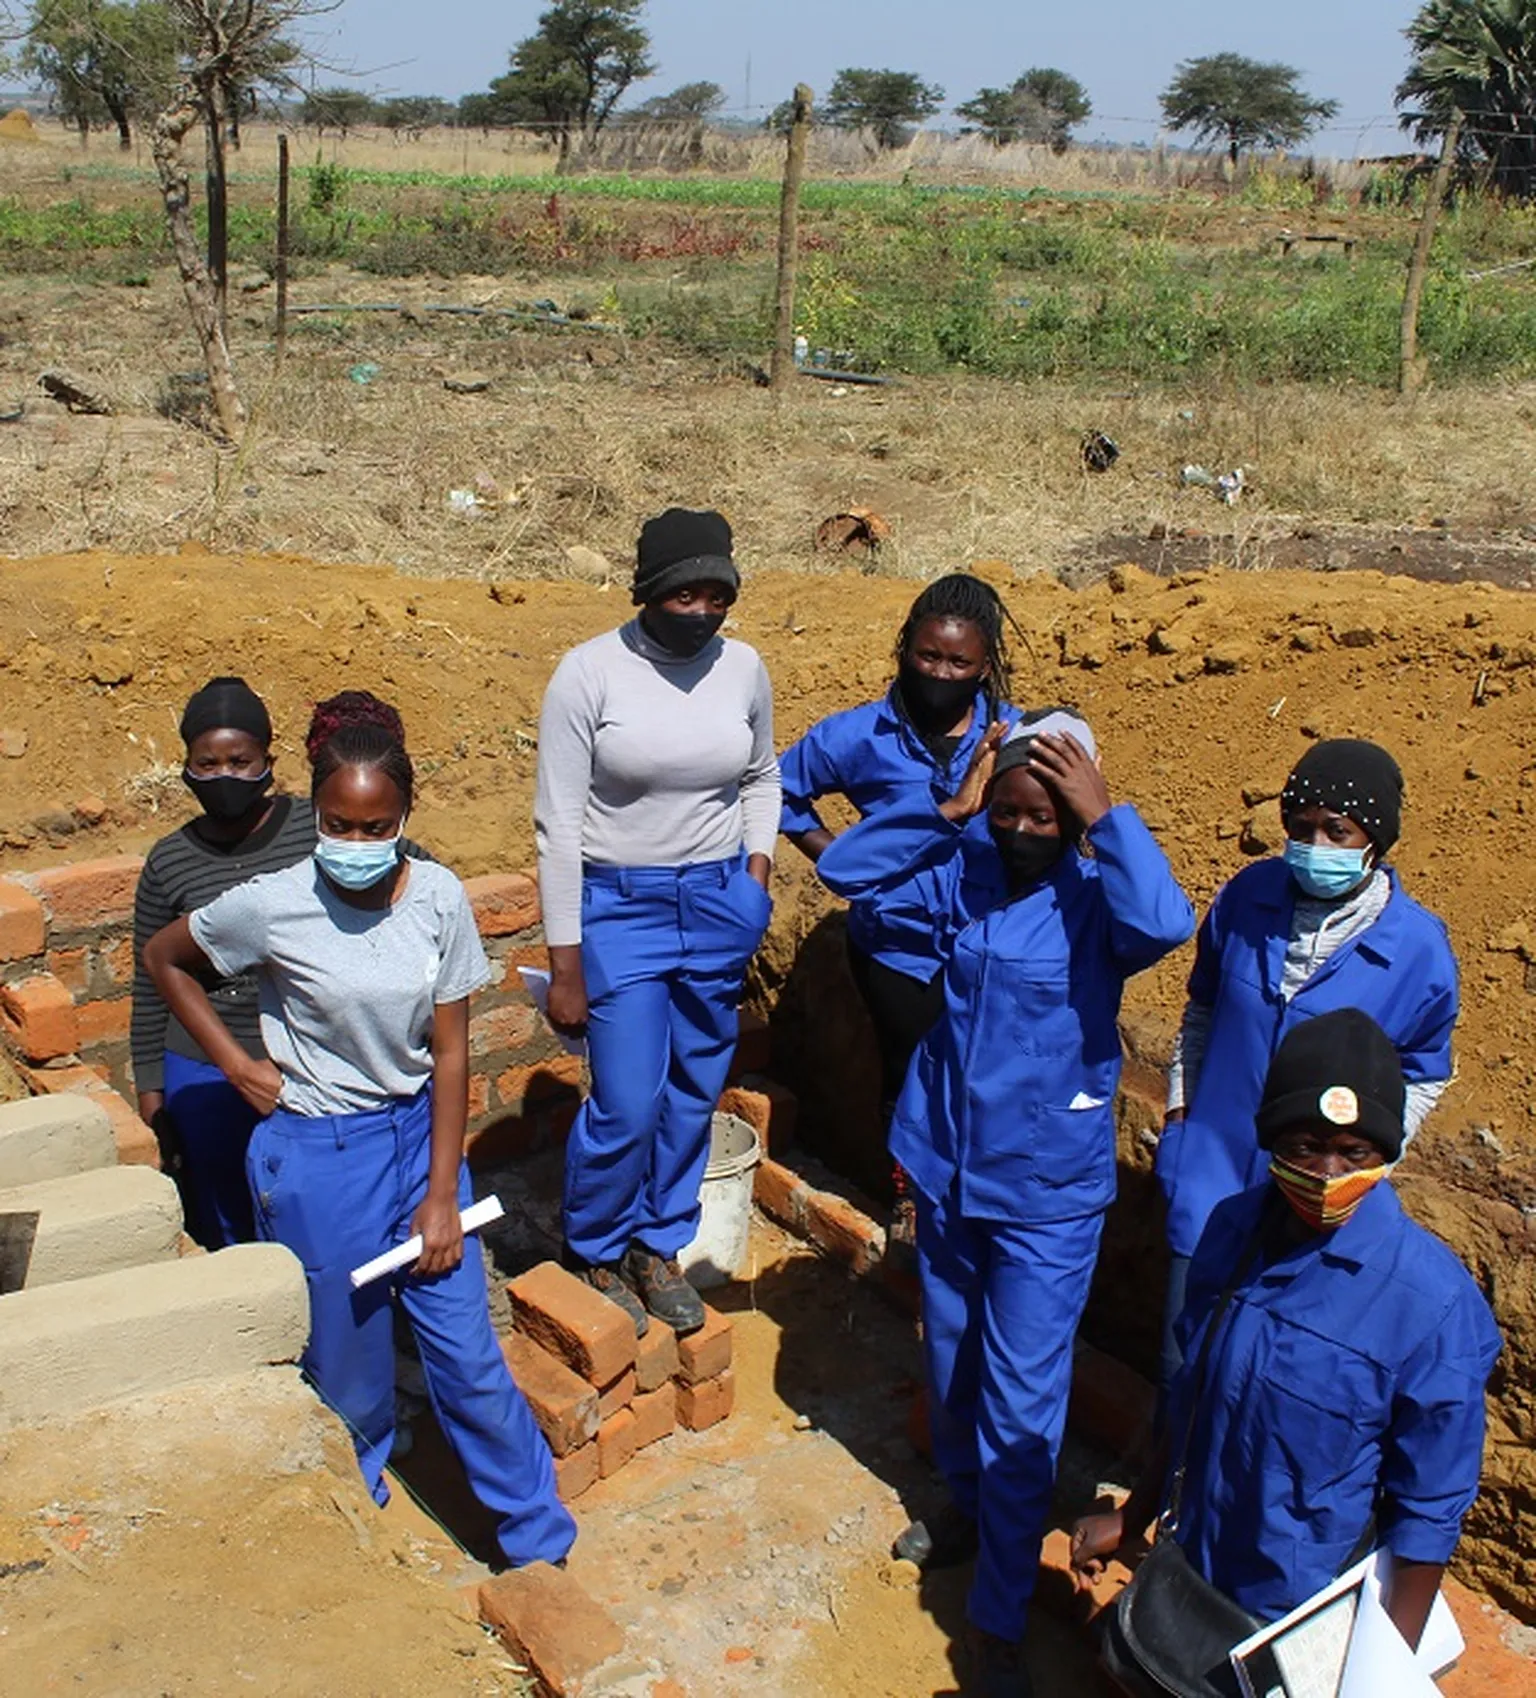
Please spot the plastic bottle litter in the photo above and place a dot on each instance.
(1198, 476)
(1227, 488)
(364, 372)
(463, 503)
(1230, 486)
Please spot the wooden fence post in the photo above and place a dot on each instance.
(783, 367)
(1410, 377)
(281, 267)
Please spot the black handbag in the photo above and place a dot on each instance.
(1171, 1630)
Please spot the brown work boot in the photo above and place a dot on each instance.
(659, 1284)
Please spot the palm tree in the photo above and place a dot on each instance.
(1477, 57)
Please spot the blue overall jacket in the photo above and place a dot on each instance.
(1400, 971)
(1013, 1090)
(871, 755)
(1346, 1380)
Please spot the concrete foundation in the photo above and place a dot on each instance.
(53, 1137)
(66, 1349)
(96, 1223)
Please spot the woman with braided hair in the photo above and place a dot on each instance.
(952, 678)
(366, 960)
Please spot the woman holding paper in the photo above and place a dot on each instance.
(1338, 1404)
(366, 961)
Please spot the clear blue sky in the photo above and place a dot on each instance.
(1122, 51)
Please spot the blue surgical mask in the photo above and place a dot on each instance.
(355, 864)
(1324, 870)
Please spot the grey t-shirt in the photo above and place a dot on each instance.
(347, 993)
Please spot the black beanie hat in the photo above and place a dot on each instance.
(682, 546)
(1340, 1069)
(226, 704)
(1351, 777)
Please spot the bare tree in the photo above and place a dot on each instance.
(227, 45)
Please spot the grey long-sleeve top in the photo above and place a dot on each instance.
(646, 760)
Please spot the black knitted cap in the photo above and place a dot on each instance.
(226, 704)
(1351, 777)
(682, 546)
(1339, 1069)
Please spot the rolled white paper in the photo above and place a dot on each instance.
(476, 1215)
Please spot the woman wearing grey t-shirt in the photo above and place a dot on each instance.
(365, 963)
(657, 811)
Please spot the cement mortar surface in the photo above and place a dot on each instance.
(219, 1540)
(53, 1137)
(98, 1223)
(65, 1349)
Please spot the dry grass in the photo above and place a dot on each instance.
(579, 438)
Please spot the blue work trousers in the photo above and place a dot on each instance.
(213, 1127)
(664, 951)
(339, 1190)
(1001, 1303)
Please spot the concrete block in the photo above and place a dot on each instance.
(549, 1622)
(51, 1137)
(563, 1404)
(705, 1354)
(706, 1404)
(94, 1223)
(574, 1322)
(67, 1349)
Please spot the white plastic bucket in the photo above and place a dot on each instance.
(719, 1250)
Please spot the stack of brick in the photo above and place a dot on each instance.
(598, 1393)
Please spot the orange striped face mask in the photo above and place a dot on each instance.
(1324, 1203)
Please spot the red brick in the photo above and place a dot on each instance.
(521, 955)
(89, 893)
(574, 1322)
(706, 1404)
(754, 1046)
(47, 1081)
(72, 968)
(38, 1017)
(551, 1624)
(616, 1443)
(503, 903)
(22, 928)
(563, 1404)
(611, 1399)
(576, 1473)
(1112, 1405)
(655, 1414)
(539, 1080)
(508, 1027)
(479, 1095)
(781, 1193)
(655, 1358)
(844, 1232)
(136, 1144)
(769, 1108)
(103, 1022)
(705, 1354)
(114, 962)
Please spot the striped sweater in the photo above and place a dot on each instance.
(184, 872)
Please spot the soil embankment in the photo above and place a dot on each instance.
(1203, 688)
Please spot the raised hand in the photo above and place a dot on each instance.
(970, 798)
(1058, 759)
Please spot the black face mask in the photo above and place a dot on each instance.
(933, 701)
(226, 797)
(682, 634)
(1026, 855)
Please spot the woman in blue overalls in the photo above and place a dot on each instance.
(952, 675)
(656, 816)
(1326, 925)
(366, 961)
(1045, 898)
(1346, 1377)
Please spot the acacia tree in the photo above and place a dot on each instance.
(886, 103)
(572, 72)
(1476, 57)
(225, 44)
(1243, 102)
(103, 61)
(1042, 105)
